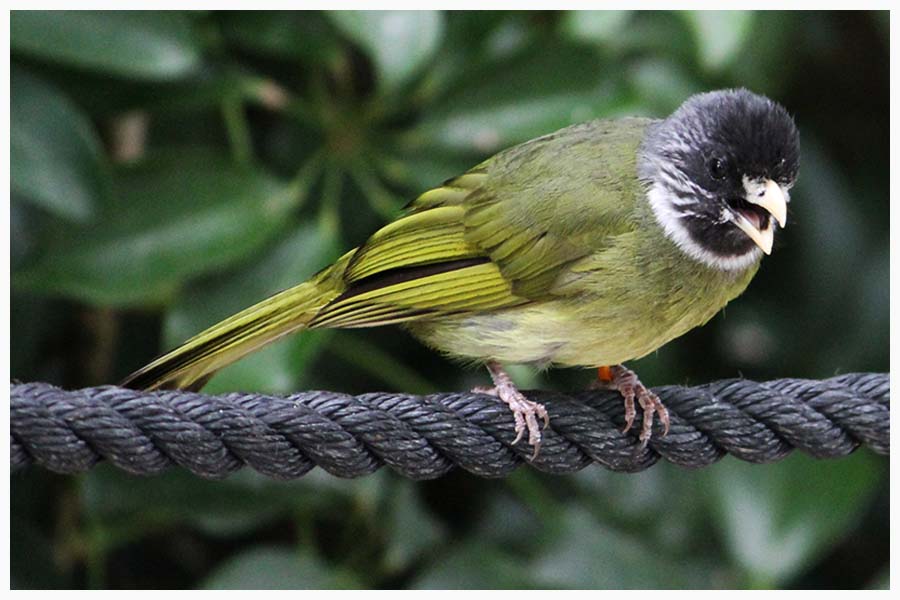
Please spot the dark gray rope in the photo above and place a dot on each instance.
(423, 437)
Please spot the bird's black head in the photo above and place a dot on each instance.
(718, 171)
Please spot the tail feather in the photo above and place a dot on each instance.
(192, 364)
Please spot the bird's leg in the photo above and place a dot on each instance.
(525, 412)
(626, 382)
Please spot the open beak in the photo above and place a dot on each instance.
(771, 198)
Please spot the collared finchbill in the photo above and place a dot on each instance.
(769, 196)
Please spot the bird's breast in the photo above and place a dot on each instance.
(618, 313)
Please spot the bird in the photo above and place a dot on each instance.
(587, 247)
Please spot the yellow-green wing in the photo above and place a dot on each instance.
(541, 206)
(499, 235)
(420, 265)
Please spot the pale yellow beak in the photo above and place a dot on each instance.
(772, 199)
(764, 239)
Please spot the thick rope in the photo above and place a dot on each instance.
(423, 437)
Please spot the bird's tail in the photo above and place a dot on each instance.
(192, 364)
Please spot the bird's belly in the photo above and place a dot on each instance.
(551, 333)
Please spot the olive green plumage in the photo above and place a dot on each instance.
(547, 253)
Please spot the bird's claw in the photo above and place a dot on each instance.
(626, 382)
(525, 412)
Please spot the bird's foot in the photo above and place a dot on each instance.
(626, 382)
(525, 412)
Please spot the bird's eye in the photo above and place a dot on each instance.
(718, 168)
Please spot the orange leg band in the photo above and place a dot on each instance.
(604, 374)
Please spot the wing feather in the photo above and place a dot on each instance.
(469, 287)
(501, 235)
(432, 236)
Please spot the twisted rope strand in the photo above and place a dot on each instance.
(423, 437)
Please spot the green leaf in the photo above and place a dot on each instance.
(505, 516)
(371, 359)
(412, 531)
(399, 42)
(419, 172)
(56, 160)
(474, 35)
(663, 35)
(472, 38)
(134, 44)
(168, 99)
(595, 26)
(778, 518)
(281, 34)
(586, 554)
(474, 565)
(277, 568)
(768, 65)
(123, 506)
(870, 333)
(536, 93)
(719, 35)
(113, 498)
(662, 85)
(175, 217)
(208, 89)
(277, 368)
(829, 241)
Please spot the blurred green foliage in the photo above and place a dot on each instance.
(168, 169)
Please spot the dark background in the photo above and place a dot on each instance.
(169, 169)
